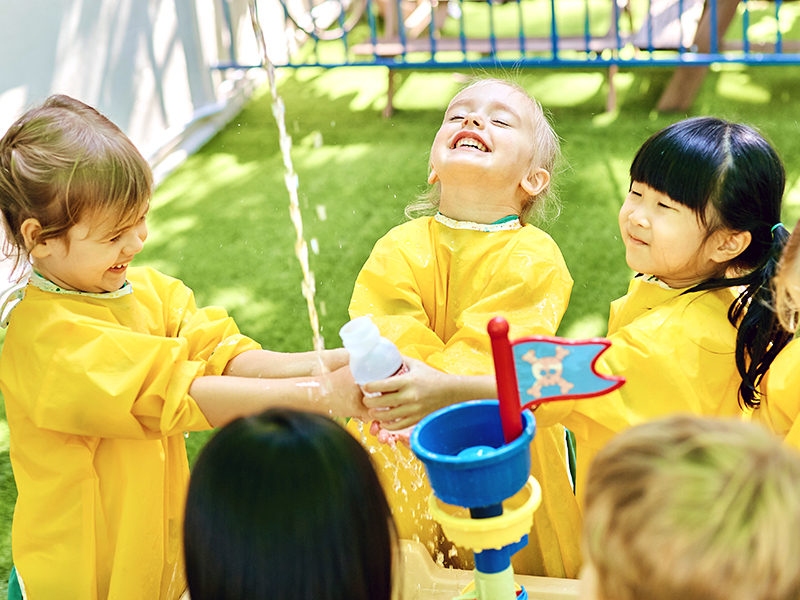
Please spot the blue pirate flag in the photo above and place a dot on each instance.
(541, 368)
(552, 368)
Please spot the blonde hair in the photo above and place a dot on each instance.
(546, 146)
(62, 161)
(694, 509)
(787, 283)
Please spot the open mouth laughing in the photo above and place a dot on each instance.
(469, 140)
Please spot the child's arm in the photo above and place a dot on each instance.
(224, 398)
(267, 364)
(407, 398)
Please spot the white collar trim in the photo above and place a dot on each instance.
(488, 227)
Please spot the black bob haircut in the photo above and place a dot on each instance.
(287, 506)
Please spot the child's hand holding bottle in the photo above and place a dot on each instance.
(405, 399)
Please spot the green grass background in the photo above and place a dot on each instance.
(221, 224)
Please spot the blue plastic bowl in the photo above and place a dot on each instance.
(466, 458)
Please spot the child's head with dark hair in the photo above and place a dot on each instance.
(287, 505)
(693, 509)
(726, 173)
(63, 163)
(713, 191)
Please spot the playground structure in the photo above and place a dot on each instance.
(688, 35)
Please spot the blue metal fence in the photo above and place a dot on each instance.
(512, 34)
(442, 34)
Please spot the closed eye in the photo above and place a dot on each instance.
(499, 122)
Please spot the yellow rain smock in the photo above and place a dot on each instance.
(676, 352)
(780, 409)
(96, 393)
(432, 285)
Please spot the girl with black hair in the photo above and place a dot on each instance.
(696, 331)
(286, 505)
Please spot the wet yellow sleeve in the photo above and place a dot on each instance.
(93, 377)
(388, 292)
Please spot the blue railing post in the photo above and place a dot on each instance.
(746, 28)
(587, 32)
(431, 31)
(401, 28)
(373, 28)
(714, 31)
(554, 29)
(492, 36)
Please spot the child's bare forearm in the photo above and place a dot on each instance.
(474, 387)
(271, 365)
(224, 398)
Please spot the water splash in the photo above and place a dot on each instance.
(292, 183)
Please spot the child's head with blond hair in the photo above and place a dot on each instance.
(63, 163)
(693, 509)
(787, 283)
(494, 137)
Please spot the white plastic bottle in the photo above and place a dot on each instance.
(372, 356)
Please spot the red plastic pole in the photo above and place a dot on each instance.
(507, 391)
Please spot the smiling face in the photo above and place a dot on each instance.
(666, 239)
(95, 256)
(487, 138)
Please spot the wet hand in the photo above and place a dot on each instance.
(407, 398)
(345, 398)
(391, 437)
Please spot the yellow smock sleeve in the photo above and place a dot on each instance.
(86, 373)
(658, 381)
(674, 360)
(388, 291)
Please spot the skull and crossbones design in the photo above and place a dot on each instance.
(547, 371)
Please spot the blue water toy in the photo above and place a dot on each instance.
(477, 454)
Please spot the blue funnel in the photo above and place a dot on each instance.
(466, 457)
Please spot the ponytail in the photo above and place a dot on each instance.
(760, 334)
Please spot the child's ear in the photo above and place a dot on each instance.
(30, 230)
(433, 177)
(535, 181)
(732, 244)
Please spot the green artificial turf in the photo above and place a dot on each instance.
(220, 222)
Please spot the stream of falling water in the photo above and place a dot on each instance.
(292, 183)
(396, 462)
